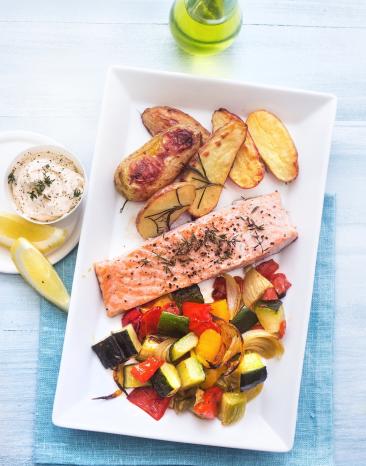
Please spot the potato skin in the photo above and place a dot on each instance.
(210, 168)
(221, 117)
(248, 169)
(157, 163)
(158, 119)
(274, 143)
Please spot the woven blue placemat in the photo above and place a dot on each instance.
(314, 433)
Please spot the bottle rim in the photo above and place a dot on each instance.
(194, 10)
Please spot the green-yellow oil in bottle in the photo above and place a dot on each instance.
(205, 27)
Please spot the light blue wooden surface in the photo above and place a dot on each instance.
(53, 58)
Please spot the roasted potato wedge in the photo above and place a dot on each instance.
(274, 144)
(157, 163)
(248, 169)
(210, 168)
(157, 119)
(222, 117)
(163, 208)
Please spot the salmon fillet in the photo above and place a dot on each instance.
(235, 236)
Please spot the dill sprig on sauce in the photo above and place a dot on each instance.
(40, 185)
(47, 180)
(11, 177)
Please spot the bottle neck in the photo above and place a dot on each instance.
(211, 11)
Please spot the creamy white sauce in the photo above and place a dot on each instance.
(46, 185)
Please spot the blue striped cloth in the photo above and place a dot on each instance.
(314, 433)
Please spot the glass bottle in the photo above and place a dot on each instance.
(205, 27)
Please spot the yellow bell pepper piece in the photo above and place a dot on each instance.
(220, 309)
(208, 345)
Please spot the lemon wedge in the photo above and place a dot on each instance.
(44, 237)
(39, 273)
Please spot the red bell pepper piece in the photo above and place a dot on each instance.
(150, 319)
(149, 322)
(199, 327)
(132, 317)
(282, 330)
(270, 295)
(281, 284)
(267, 269)
(197, 311)
(200, 317)
(149, 401)
(208, 407)
(219, 289)
(146, 369)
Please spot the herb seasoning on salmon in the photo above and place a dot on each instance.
(232, 237)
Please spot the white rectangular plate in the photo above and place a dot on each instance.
(270, 421)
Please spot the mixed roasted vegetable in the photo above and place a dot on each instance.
(207, 358)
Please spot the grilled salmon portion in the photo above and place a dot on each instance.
(235, 236)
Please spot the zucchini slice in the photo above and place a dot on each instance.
(109, 352)
(166, 380)
(183, 346)
(191, 373)
(129, 381)
(270, 314)
(252, 371)
(128, 341)
(191, 293)
(232, 407)
(149, 347)
(118, 347)
(245, 319)
(172, 325)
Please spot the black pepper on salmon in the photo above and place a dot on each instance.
(232, 237)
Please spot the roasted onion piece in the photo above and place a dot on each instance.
(157, 346)
(118, 378)
(254, 286)
(233, 295)
(231, 350)
(230, 383)
(183, 400)
(264, 343)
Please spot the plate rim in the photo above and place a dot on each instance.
(256, 85)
